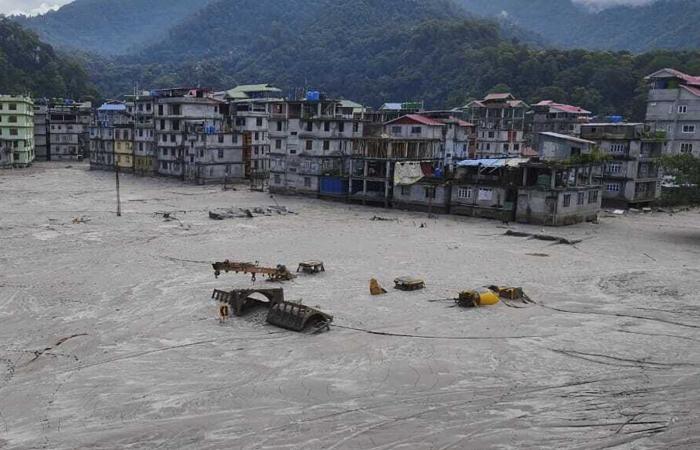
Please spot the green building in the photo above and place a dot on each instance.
(16, 131)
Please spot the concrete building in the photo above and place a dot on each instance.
(142, 108)
(124, 145)
(559, 193)
(562, 147)
(487, 188)
(250, 111)
(673, 106)
(16, 131)
(180, 112)
(105, 122)
(500, 121)
(549, 116)
(312, 141)
(68, 130)
(632, 176)
(379, 163)
(41, 129)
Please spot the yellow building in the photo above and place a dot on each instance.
(124, 147)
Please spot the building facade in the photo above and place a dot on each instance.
(16, 131)
(673, 107)
(632, 174)
(500, 121)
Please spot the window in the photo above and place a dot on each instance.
(163, 165)
(405, 190)
(160, 110)
(13, 119)
(567, 200)
(686, 148)
(175, 110)
(309, 126)
(492, 134)
(13, 107)
(279, 126)
(172, 138)
(307, 182)
(615, 167)
(682, 109)
(240, 121)
(13, 132)
(277, 179)
(395, 130)
(172, 152)
(430, 192)
(259, 122)
(278, 144)
(464, 193)
(689, 128)
(257, 136)
(326, 145)
(341, 126)
(355, 127)
(613, 187)
(416, 130)
(593, 197)
(326, 126)
(221, 153)
(221, 139)
(581, 198)
(617, 148)
(309, 145)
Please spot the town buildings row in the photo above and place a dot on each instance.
(334, 148)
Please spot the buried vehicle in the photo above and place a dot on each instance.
(298, 317)
(292, 316)
(492, 295)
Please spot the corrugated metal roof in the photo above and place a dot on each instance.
(563, 107)
(112, 107)
(676, 73)
(493, 162)
(566, 137)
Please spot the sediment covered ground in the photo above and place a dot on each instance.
(109, 338)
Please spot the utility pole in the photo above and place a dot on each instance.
(119, 203)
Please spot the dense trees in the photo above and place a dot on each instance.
(30, 66)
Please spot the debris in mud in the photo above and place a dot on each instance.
(383, 219)
(375, 288)
(279, 273)
(311, 267)
(249, 213)
(543, 237)
(81, 219)
(492, 295)
(409, 284)
(539, 255)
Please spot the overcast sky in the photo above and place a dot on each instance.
(41, 6)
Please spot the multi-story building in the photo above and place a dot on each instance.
(409, 148)
(312, 141)
(500, 121)
(549, 116)
(180, 112)
(142, 109)
(673, 106)
(68, 130)
(41, 129)
(124, 145)
(631, 176)
(108, 118)
(16, 131)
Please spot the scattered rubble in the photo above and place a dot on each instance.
(249, 213)
(409, 284)
(543, 237)
(383, 219)
(375, 288)
(279, 273)
(311, 267)
(81, 219)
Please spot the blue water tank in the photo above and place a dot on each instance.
(313, 96)
(615, 119)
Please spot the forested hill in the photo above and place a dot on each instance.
(661, 24)
(111, 27)
(29, 66)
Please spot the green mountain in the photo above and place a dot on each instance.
(29, 66)
(110, 27)
(662, 24)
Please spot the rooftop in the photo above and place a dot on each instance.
(566, 137)
(417, 118)
(673, 73)
(563, 107)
